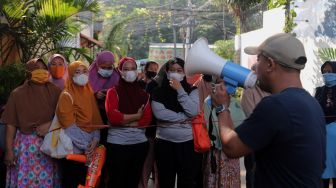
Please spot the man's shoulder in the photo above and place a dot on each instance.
(290, 94)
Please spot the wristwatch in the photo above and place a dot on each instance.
(221, 108)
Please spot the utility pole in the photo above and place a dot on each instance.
(189, 29)
(187, 23)
(224, 30)
(174, 25)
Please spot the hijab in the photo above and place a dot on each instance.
(83, 109)
(96, 80)
(157, 80)
(131, 95)
(31, 104)
(165, 94)
(326, 96)
(59, 82)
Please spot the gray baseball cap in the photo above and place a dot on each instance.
(284, 48)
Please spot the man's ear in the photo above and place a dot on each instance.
(271, 64)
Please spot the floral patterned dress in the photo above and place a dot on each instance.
(219, 170)
(33, 168)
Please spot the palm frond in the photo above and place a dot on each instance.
(14, 12)
(112, 40)
(327, 54)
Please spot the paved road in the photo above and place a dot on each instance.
(242, 176)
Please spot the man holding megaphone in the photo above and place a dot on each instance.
(286, 130)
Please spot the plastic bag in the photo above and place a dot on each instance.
(56, 143)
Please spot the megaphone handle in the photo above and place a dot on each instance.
(230, 89)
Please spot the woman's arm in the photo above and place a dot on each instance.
(114, 115)
(10, 135)
(43, 128)
(147, 115)
(64, 110)
(164, 114)
(189, 103)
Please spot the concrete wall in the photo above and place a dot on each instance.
(316, 28)
(273, 22)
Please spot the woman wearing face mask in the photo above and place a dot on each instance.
(174, 103)
(326, 96)
(77, 112)
(220, 170)
(128, 108)
(28, 114)
(103, 76)
(58, 70)
(150, 71)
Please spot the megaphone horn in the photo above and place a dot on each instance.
(201, 60)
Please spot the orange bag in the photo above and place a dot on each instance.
(200, 133)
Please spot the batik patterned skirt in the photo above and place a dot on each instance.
(33, 169)
(226, 173)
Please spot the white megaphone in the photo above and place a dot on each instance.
(201, 60)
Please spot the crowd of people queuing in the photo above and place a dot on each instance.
(279, 127)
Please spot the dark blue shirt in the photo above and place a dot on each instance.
(287, 133)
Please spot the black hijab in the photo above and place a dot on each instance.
(167, 95)
(326, 96)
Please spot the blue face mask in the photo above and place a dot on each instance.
(105, 73)
(329, 79)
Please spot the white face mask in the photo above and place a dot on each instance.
(177, 76)
(129, 76)
(105, 73)
(81, 80)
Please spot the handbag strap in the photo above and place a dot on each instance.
(212, 137)
(67, 93)
(57, 128)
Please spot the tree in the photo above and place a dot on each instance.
(225, 49)
(34, 28)
(238, 8)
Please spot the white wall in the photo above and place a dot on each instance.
(308, 32)
(273, 22)
(314, 12)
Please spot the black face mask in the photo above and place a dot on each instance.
(150, 74)
(207, 78)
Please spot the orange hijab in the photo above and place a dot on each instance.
(82, 109)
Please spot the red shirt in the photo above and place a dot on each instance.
(116, 117)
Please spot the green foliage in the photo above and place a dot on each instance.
(42, 26)
(11, 76)
(238, 8)
(276, 3)
(290, 13)
(238, 94)
(225, 49)
(113, 40)
(152, 23)
(327, 54)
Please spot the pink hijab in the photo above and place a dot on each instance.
(60, 81)
(96, 80)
